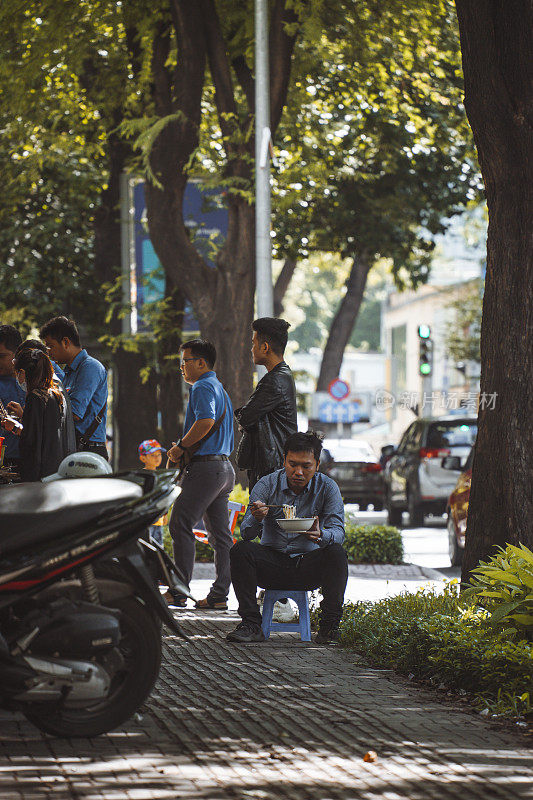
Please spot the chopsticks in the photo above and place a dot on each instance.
(265, 506)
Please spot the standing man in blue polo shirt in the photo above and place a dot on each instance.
(209, 478)
(85, 381)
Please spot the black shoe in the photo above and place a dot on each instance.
(245, 633)
(327, 635)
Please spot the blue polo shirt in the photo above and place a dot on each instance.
(10, 390)
(85, 382)
(59, 373)
(206, 401)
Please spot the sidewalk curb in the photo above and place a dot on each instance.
(433, 574)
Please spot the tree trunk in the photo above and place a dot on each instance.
(170, 402)
(282, 284)
(496, 43)
(223, 296)
(134, 408)
(343, 323)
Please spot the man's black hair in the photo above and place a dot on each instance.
(10, 337)
(308, 442)
(60, 328)
(201, 348)
(272, 331)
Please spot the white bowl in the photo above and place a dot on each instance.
(298, 525)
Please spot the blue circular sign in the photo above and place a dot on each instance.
(338, 389)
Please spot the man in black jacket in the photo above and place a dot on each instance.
(269, 416)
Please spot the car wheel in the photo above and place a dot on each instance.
(363, 506)
(416, 513)
(378, 505)
(394, 514)
(456, 552)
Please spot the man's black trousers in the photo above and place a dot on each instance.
(254, 565)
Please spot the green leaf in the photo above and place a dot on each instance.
(498, 574)
(503, 610)
(525, 577)
(525, 552)
(523, 619)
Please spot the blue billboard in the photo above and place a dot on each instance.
(206, 219)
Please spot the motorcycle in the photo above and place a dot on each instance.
(80, 606)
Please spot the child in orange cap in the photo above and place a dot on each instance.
(151, 453)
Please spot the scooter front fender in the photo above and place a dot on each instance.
(132, 561)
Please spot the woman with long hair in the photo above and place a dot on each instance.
(47, 424)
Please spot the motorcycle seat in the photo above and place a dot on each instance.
(31, 513)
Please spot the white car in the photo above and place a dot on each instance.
(415, 478)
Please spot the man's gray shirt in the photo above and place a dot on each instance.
(321, 498)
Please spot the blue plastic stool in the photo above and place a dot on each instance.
(303, 626)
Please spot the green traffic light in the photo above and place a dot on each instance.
(424, 331)
(425, 369)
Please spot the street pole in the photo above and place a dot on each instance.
(263, 264)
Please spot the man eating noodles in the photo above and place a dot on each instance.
(292, 560)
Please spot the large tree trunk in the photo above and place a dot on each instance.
(496, 43)
(222, 297)
(228, 320)
(134, 408)
(170, 402)
(282, 284)
(343, 323)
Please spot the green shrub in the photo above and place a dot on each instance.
(372, 544)
(204, 552)
(504, 586)
(167, 541)
(440, 638)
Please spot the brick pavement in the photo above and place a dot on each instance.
(282, 719)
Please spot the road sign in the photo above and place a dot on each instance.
(338, 390)
(335, 411)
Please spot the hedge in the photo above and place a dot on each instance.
(442, 639)
(368, 544)
(372, 544)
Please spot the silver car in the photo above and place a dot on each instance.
(415, 479)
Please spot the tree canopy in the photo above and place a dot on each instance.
(369, 133)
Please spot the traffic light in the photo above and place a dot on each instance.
(425, 364)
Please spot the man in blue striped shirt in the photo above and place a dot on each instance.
(283, 560)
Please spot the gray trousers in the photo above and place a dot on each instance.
(205, 491)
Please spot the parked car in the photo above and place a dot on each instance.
(415, 479)
(458, 506)
(355, 467)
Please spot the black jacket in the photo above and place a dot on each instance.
(47, 436)
(267, 419)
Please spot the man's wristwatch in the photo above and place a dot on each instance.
(182, 446)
